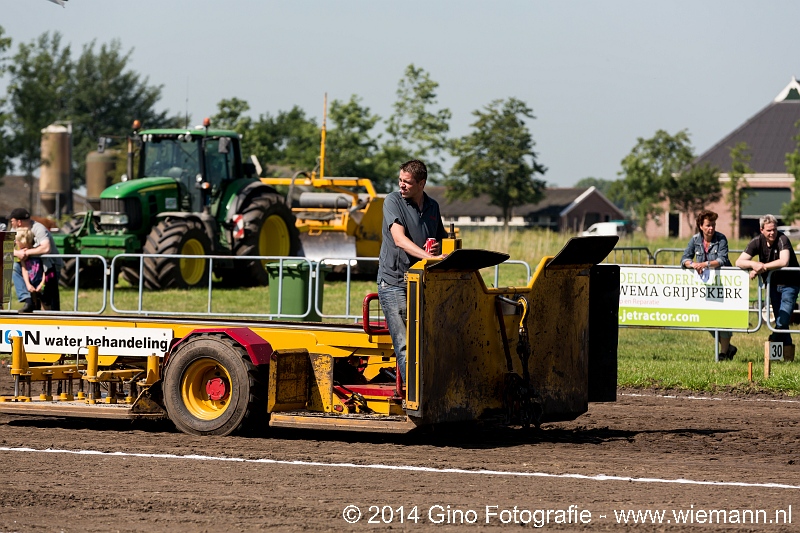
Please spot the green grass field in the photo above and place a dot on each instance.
(666, 359)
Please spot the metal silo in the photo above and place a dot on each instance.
(54, 177)
(100, 169)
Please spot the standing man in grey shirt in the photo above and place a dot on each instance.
(410, 217)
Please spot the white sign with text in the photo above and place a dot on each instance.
(69, 339)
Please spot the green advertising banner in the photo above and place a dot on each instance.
(672, 296)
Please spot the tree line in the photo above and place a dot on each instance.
(100, 95)
(664, 167)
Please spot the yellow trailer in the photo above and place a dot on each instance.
(514, 355)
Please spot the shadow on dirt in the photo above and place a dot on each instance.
(472, 438)
(80, 424)
(450, 436)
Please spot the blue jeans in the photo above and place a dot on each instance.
(394, 304)
(782, 298)
(19, 283)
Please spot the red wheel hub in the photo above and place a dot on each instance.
(216, 389)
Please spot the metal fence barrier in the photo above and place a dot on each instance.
(676, 253)
(351, 262)
(767, 303)
(761, 306)
(76, 288)
(496, 269)
(128, 258)
(110, 294)
(630, 255)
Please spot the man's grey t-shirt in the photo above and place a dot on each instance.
(418, 225)
(41, 234)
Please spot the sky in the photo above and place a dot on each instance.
(598, 75)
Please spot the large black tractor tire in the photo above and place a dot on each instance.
(129, 271)
(269, 229)
(174, 236)
(212, 388)
(91, 270)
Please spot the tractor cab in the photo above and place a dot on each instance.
(202, 162)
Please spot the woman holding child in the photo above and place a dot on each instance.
(40, 282)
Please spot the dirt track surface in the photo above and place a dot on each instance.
(723, 441)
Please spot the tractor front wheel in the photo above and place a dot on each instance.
(175, 236)
(212, 388)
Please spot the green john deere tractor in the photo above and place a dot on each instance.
(192, 196)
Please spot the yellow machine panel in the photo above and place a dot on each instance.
(288, 380)
(521, 352)
(341, 218)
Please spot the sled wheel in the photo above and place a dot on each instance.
(212, 388)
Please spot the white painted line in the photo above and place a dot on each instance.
(599, 477)
(707, 398)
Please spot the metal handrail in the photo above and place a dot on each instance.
(511, 262)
